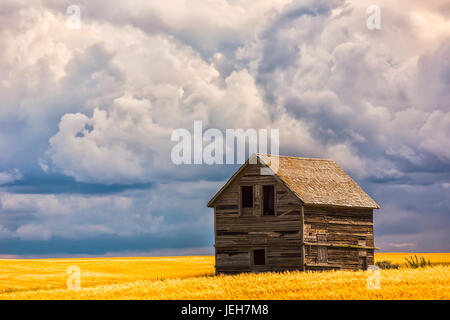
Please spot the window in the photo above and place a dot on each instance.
(259, 257)
(247, 196)
(268, 200)
(363, 262)
(322, 255)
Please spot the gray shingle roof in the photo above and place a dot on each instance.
(314, 181)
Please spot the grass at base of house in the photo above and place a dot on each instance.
(193, 278)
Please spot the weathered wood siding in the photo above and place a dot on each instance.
(236, 234)
(347, 235)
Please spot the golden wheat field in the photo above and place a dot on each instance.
(193, 278)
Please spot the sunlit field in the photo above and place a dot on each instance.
(399, 258)
(193, 278)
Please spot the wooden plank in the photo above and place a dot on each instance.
(302, 233)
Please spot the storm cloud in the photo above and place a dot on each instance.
(86, 114)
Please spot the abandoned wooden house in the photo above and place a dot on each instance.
(308, 215)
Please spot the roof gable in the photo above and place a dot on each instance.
(313, 181)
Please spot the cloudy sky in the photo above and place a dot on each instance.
(86, 115)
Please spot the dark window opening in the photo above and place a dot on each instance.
(364, 263)
(269, 201)
(247, 196)
(259, 257)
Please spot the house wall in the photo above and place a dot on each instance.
(239, 231)
(348, 237)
